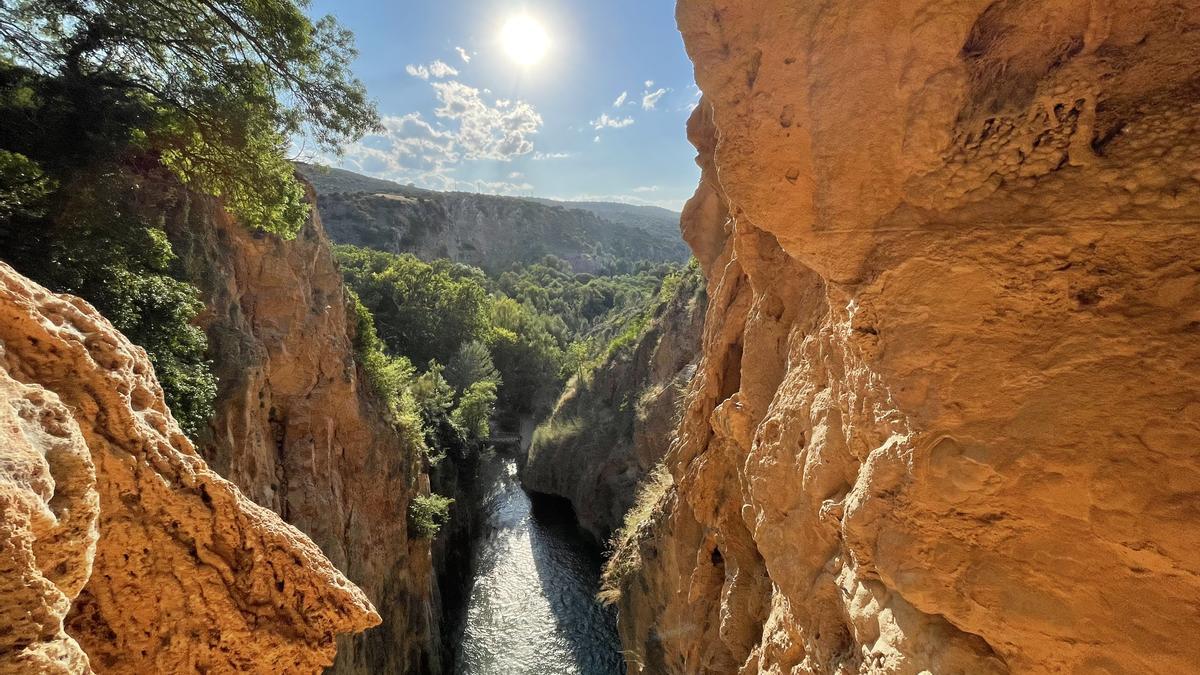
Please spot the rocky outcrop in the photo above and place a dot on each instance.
(300, 431)
(946, 416)
(107, 511)
(488, 231)
(611, 427)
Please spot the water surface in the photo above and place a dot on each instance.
(532, 607)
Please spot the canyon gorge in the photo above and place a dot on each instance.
(926, 399)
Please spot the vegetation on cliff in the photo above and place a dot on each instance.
(614, 421)
(117, 112)
(515, 332)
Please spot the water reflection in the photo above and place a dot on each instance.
(532, 607)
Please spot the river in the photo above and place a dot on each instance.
(531, 608)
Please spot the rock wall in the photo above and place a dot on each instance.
(946, 418)
(488, 231)
(609, 429)
(298, 429)
(108, 513)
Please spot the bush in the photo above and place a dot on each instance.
(475, 409)
(427, 514)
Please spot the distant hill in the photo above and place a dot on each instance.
(653, 219)
(490, 231)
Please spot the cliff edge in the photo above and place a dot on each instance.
(121, 550)
(946, 416)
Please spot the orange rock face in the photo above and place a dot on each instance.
(299, 430)
(946, 418)
(106, 504)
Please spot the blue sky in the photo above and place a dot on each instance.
(550, 129)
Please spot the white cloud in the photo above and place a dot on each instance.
(407, 144)
(438, 69)
(462, 54)
(412, 149)
(647, 188)
(604, 121)
(649, 83)
(650, 100)
(621, 99)
(540, 156)
(501, 132)
(596, 139)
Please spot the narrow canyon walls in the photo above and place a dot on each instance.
(108, 513)
(299, 430)
(946, 418)
(610, 429)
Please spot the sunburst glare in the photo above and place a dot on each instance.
(524, 39)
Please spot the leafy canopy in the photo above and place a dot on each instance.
(230, 82)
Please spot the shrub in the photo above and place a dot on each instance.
(475, 408)
(427, 514)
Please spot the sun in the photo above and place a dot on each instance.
(524, 39)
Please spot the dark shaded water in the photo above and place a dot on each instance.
(532, 605)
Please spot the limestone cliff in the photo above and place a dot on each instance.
(488, 231)
(946, 417)
(108, 513)
(610, 428)
(299, 430)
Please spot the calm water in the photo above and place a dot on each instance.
(531, 607)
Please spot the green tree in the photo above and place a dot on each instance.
(577, 357)
(475, 408)
(472, 363)
(228, 82)
(423, 311)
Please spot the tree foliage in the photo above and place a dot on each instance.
(473, 363)
(423, 311)
(427, 514)
(227, 83)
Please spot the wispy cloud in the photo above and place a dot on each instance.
(541, 156)
(621, 99)
(463, 54)
(604, 121)
(650, 99)
(441, 69)
(647, 188)
(438, 69)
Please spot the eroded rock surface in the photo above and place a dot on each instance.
(299, 430)
(106, 503)
(609, 429)
(946, 418)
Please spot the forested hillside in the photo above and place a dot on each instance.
(490, 231)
